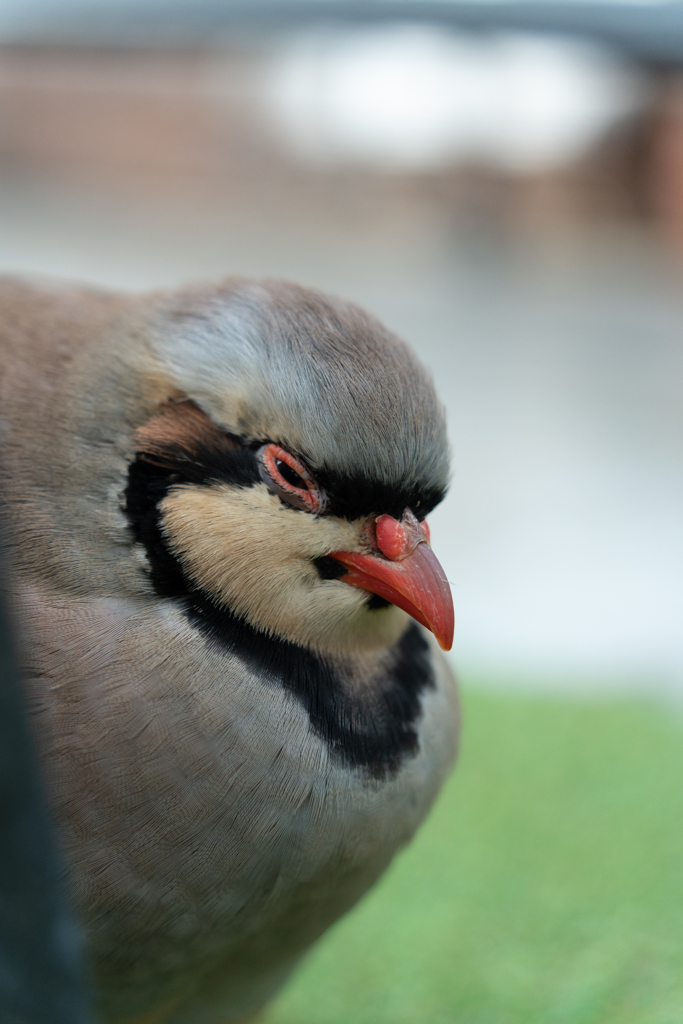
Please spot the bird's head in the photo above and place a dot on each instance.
(286, 478)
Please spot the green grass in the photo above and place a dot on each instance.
(545, 888)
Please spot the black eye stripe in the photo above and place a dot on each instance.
(289, 474)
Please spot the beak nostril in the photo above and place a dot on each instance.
(394, 539)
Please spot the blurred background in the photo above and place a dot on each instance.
(502, 183)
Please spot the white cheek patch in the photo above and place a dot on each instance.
(254, 556)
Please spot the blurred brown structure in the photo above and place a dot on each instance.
(192, 119)
(124, 114)
(665, 164)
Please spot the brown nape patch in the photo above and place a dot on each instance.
(181, 444)
(180, 431)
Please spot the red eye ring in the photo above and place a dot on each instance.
(308, 497)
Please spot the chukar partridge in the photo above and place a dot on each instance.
(230, 612)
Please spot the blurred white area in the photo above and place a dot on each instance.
(416, 97)
(559, 356)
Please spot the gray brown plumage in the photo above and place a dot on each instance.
(235, 741)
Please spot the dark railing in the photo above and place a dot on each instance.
(652, 33)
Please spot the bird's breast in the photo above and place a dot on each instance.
(205, 801)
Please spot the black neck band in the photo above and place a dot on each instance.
(373, 727)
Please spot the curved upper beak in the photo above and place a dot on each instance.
(405, 571)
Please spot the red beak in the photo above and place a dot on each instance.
(406, 572)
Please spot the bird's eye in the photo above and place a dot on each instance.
(286, 476)
(290, 475)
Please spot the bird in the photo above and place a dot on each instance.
(229, 617)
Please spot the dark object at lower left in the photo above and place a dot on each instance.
(41, 973)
